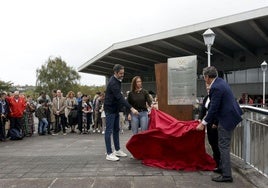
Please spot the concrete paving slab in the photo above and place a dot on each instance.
(26, 183)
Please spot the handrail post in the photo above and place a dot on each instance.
(246, 139)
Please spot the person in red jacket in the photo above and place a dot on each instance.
(17, 105)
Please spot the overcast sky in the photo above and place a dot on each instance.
(77, 30)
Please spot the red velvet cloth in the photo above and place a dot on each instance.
(171, 144)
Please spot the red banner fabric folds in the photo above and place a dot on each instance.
(171, 144)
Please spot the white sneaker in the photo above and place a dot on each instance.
(120, 153)
(103, 132)
(112, 157)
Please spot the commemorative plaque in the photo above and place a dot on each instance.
(182, 80)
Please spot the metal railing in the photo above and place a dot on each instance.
(250, 138)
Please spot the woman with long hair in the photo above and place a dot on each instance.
(140, 99)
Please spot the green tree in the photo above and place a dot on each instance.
(55, 74)
(5, 86)
(91, 90)
(31, 92)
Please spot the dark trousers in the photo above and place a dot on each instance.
(48, 120)
(60, 123)
(212, 134)
(49, 127)
(15, 123)
(2, 129)
(79, 120)
(224, 146)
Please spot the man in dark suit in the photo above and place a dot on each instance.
(212, 131)
(225, 108)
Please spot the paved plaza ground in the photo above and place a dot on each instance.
(78, 161)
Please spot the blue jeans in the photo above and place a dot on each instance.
(43, 123)
(141, 119)
(112, 127)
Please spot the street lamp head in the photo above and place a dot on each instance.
(264, 66)
(209, 37)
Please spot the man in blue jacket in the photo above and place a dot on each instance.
(225, 108)
(112, 103)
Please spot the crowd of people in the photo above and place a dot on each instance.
(54, 114)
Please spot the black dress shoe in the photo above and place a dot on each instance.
(217, 170)
(223, 179)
